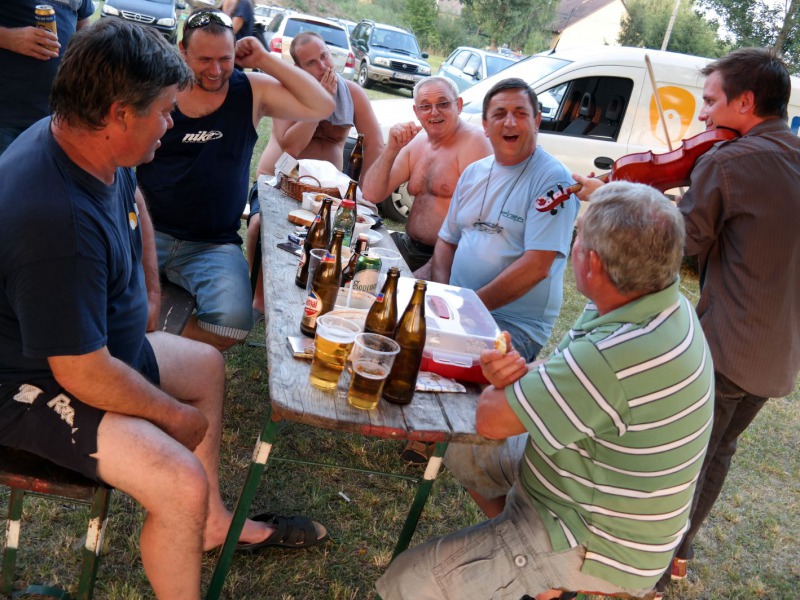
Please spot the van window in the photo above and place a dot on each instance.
(332, 35)
(588, 107)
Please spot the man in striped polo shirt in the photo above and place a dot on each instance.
(595, 493)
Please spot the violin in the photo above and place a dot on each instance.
(661, 171)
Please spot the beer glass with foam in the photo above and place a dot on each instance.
(333, 342)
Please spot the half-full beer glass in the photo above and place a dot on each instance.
(332, 344)
(372, 359)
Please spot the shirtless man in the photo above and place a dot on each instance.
(320, 140)
(430, 158)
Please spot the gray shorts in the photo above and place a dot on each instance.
(503, 558)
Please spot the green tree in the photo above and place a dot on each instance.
(511, 22)
(646, 24)
(762, 24)
(421, 17)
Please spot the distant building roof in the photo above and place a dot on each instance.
(571, 11)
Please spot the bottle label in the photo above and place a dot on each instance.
(379, 297)
(300, 264)
(312, 310)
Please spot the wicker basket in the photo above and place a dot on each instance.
(294, 188)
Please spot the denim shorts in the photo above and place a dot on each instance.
(503, 558)
(217, 276)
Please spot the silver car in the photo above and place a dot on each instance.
(467, 66)
(285, 26)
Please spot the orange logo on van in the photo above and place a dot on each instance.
(678, 105)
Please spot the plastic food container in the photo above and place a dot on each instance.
(459, 328)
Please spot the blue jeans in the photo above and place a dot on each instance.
(527, 347)
(217, 276)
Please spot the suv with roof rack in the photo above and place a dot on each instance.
(387, 55)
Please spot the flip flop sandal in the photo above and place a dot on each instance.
(290, 532)
(417, 452)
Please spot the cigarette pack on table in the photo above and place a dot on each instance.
(459, 328)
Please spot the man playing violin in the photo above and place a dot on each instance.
(745, 235)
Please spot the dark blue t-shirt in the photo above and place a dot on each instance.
(71, 279)
(25, 81)
(196, 186)
(244, 9)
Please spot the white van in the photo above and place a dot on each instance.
(598, 104)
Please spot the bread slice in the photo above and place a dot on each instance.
(301, 216)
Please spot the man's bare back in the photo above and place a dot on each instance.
(327, 143)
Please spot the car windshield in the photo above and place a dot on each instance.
(530, 70)
(333, 36)
(396, 40)
(497, 63)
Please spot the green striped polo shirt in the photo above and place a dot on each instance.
(619, 418)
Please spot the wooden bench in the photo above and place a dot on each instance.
(177, 306)
(27, 474)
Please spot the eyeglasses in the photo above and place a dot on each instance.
(440, 106)
(485, 227)
(203, 18)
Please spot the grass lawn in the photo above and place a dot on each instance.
(748, 548)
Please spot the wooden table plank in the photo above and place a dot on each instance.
(430, 416)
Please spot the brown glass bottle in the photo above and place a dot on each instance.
(356, 161)
(362, 245)
(410, 335)
(335, 248)
(324, 287)
(317, 237)
(382, 315)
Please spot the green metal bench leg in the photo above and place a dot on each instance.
(263, 447)
(12, 540)
(423, 489)
(90, 553)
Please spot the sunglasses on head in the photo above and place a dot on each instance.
(203, 18)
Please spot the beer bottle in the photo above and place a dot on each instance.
(410, 335)
(346, 220)
(324, 287)
(353, 169)
(382, 315)
(362, 245)
(317, 237)
(335, 248)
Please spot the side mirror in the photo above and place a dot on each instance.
(424, 55)
(471, 72)
(180, 5)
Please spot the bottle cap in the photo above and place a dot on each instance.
(348, 203)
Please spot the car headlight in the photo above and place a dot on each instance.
(168, 22)
(384, 62)
(110, 10)
(425, 70)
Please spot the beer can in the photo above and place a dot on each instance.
(46, 17)
(368, 268)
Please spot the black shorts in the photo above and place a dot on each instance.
(55, 425)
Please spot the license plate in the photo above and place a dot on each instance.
(403, 77)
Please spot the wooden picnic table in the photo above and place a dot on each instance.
(431, 417)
